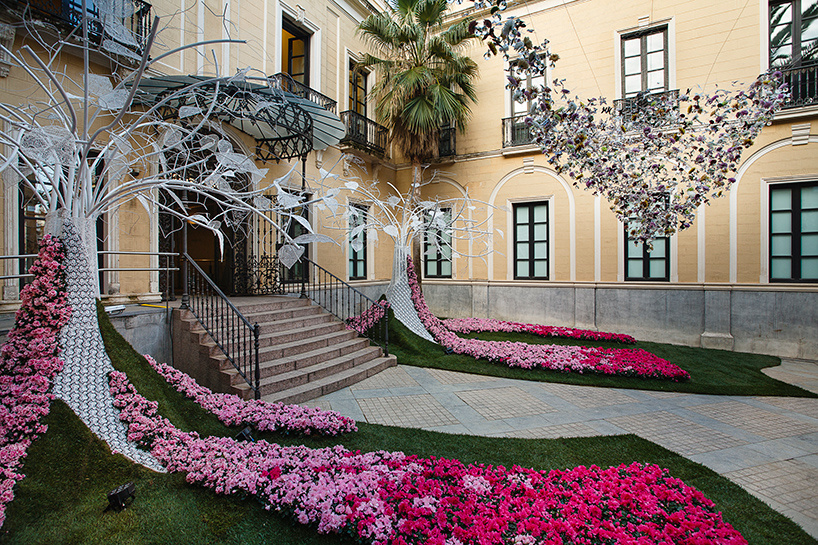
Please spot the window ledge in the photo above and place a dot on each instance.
(796, 113)
(520, 150)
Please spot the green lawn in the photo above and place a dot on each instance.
(63, 499)
(712, 371)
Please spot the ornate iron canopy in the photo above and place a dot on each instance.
(284, 125)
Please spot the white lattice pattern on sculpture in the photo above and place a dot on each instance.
(399, 296)
(83, 383)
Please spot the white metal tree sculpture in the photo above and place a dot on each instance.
(78, 150)
(406, 217)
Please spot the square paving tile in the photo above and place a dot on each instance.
(587, 398)
(791, 483)
(801, 405)
(553, 432)
(755, 420)
(675, 433)
(453, 377)
(392, 377)
(499, 403)
(415, 411)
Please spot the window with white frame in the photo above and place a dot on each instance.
(437, 244)
(531, 240)
(794, 232)
(645, 62)
(357, 241)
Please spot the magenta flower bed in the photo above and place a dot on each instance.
(471, 325)
(388, 497)
(231, 410)
(28, 363)
(577, 359)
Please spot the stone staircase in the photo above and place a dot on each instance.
(304, 351)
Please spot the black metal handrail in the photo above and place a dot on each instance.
(802, 82)
(228, 327)
(516, 132)
(363, 132)
(69, 12)
(285, 82)
(339, 298)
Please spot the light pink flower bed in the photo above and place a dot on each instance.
(231, 410)
(388, 497)
(28, 363)
(473, 325)
(577, 359)
(368, 318)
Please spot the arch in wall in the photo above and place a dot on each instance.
(745, 166)
(531, 169)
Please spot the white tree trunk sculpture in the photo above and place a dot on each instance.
(83, 382)
(399, 294)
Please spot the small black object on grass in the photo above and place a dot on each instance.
(118, 496)
(246, 435)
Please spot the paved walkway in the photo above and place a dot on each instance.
(768, 445)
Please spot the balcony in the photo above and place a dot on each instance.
(803, 84)
(68, 13)
(516, 132)
(446, 147)
(635, 108)
(363, 133)
(285, 82)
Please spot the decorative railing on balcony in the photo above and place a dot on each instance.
(516, 132)
(803, 85)
(636, 107)
(69, 12)
(285, 82)
(364, 133)
(446, 147)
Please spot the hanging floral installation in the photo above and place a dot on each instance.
(655, 157)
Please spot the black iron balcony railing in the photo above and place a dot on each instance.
(364, 133)
(285, 82)
(803, 85)
(649, 108)
(69, 12)
(446, 147)
(516, 132)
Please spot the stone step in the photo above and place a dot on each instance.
(272, 303)
(306, 345)
(277, 338)
(268, 316)
(312, 373)
(332, 383)
(313, 357)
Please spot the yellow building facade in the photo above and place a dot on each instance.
(743, 277)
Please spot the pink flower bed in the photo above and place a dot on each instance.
(368, 318)
(231, 410)
(471, 325)
(388, 497)
(28, 363)
(578, 359)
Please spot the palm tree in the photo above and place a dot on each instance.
(424, 81)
